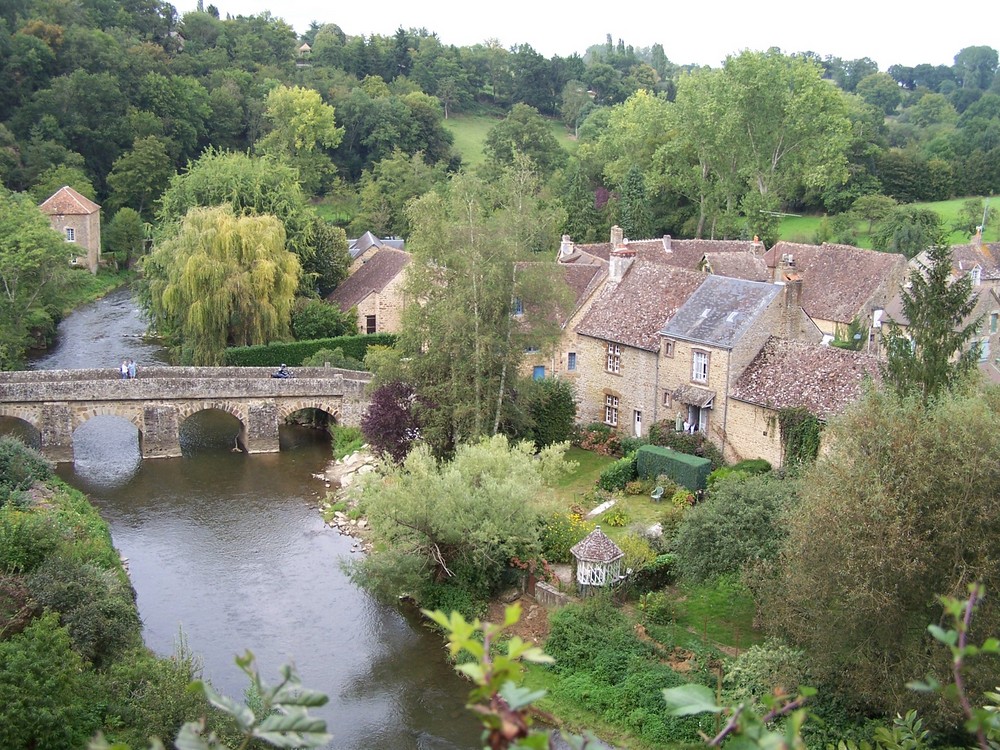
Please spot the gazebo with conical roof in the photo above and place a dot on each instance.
(598, 561)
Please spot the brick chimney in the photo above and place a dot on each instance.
(792, 315)
(566, 247)
(757, 247)
(666, 243)
(617, 236)
(622, 257)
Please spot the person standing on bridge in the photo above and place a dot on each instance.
(124, 369)
(131, 369)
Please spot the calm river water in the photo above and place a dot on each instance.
(228, 552)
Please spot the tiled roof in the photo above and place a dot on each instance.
(596, 547)
(823, 379)
(739, 265)
(838, 280)
(986, 255)
(67, 202)
(720, 311)
(581, 280)
(371, 277)
(678, 253)
(633, 311)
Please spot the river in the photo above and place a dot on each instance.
(228, 552)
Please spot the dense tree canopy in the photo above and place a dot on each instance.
(222, 280)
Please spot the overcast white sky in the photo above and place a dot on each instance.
(691, 31)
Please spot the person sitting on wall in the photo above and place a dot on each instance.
(283, 372)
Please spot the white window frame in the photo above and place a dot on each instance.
(70, 234)
(611, 404)
(700, 362)
(614, 360)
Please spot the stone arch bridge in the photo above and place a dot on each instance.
(57, 402)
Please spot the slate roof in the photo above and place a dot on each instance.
(596, 547)
(368, 240)
(738, 265)
(823, 379)
(68, 202)
(720, 311)
(372, 277)
(838, 280)
(633, 311)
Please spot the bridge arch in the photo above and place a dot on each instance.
(287, 409)
(28, 414)
(126, 411)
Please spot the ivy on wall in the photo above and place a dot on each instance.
(800, 430)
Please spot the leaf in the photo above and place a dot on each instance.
(947, 637)
(687, 700)
(294, 729)
(473, 671)
(244, 716)
(518, 697)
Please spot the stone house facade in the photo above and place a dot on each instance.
(713, 338)
(78, 220)
(376, 290)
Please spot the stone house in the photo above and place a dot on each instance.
(841, 284)
(823, 379)
(713, 338)
(617, 340)
(78, 220)
(375, 288)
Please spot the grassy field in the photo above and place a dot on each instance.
(805, 228)
(470, 132)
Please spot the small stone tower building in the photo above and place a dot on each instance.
(78, 220)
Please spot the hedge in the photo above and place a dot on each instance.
(293, 353)
(689, 471)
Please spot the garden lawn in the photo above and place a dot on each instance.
(572, 488)
(722, 610)
(470, 131)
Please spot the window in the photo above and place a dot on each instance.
(531, 349)
(70, 234)
(993, 322)
(699, 366)
(518, 307)
(571, 361)
(614, 359)
(984, 350)
(611, 410)
(538, 373)
(668, 348)
(369, 324)
(977, 276)
(667, 399)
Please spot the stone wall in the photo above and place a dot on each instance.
(387, 306)
(634, 385)
(754, 432)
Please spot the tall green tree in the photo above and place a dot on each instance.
(902, 509)
(139, 176)
(469, 250)
(908, 230)
(222, 280)
(933, 354)
(524, 131)
(633, 206)
(34, 271)
(302, 127)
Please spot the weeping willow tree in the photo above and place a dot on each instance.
(222, 280)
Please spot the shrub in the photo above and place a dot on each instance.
(616, 518)
(637, 551)
(335, 358)
(599, 438)
(753, 466)
(94, 605)
(617, 475)
(26, 539)
(639, 487)
(346, 440)
(761, 668)
(316, 319)
(294, 352)
(20, 468)
(655, 574)
(561, 532)
(656, 608)
(550, 405)
(453, 597)
(391, 421)
(740, 522)
(690, 471)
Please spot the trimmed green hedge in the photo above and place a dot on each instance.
(293, 353)
(689, 471)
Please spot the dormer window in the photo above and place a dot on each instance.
(977, 275)
(70, 234)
